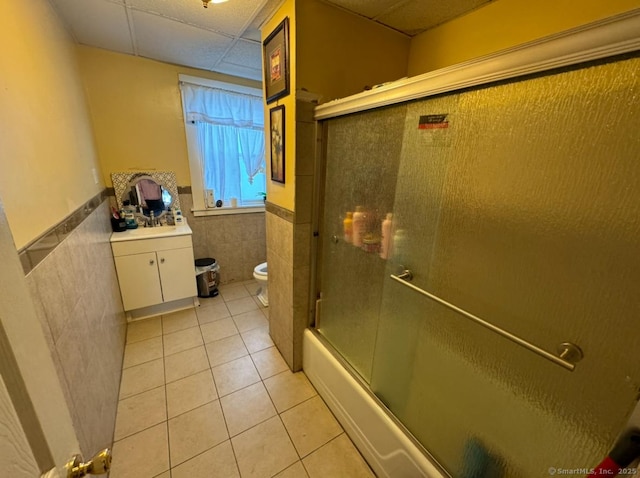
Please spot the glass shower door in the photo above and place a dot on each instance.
(523, 210)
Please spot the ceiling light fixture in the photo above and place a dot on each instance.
(205, 3)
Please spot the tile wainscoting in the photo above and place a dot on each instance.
(237, 241)
(75, 292)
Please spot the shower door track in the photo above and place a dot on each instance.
(569, 353)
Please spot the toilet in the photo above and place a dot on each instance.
(260, 274)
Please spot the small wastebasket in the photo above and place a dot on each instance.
(207, 270)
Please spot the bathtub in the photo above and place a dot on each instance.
(382, 442)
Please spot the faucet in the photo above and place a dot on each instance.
(152, 218)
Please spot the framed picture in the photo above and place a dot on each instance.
(276, 62)
(276, 132)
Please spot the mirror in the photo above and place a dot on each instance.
(155, 191)
(143, 191)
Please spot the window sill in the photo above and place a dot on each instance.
(221, 211)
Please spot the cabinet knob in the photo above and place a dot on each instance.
(162, 260)
(152, 262)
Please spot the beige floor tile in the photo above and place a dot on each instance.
(235, 375)
(190, 392)
(258, 303)
(252, 286)
(294, 471)
(257, 339)
(232, 292)
(269, 362)
(208, 301)
(212, 312)
(264, 450)
(196, 431)
(250, 320)
(140, 412)
(240, 306)
(143, 455)
(185, 363)
(265, 311)
(218, 330)
(141, 378)
(310, 425)
(166, 474)
(141, 352)
(143, 329)
(246, 408)
(288, 389)
(182, 340)
(337, 458)
(217, 462)
(180, 320)
(226, 350)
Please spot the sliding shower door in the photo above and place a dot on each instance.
(518, 203)
(362, 165)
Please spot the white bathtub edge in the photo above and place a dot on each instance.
(386, 448)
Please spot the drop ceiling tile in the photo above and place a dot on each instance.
(252, 31)
(368, 8)
(97, 23)
(230, 18)
(239, 70)
(173, 42)
(245, 53)
(417, 16)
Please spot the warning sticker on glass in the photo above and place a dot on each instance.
(434, 130)
(433, 122)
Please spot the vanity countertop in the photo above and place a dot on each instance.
(142, 233)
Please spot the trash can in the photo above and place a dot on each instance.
(207, 270)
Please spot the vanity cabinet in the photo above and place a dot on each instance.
(155, 271)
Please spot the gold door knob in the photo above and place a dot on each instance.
(98, 465)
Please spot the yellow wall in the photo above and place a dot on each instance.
(502, 24)
(284, 194)
(340, 53)
(137, 111)
(46, 144)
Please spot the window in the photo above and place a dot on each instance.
(224, 124)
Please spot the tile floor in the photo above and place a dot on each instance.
(205, 393)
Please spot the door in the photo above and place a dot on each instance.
(37, 429)
(522, 212)
(177, 273)
(139, 280)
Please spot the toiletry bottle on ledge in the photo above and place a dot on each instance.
(177, 217)
(129, 215)
(386, 241)
(348, 228)
(358, 226)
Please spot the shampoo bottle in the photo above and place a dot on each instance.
(358, 226)
(386, 241)
(348, 228)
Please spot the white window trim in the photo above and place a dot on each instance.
(193, 152)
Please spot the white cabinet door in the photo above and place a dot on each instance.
(139, 280)
(177, 274)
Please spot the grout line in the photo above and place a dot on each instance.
(166, 404)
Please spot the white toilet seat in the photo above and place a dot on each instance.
(261, 269)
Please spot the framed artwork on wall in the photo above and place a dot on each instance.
(276, 62)
(276, 134)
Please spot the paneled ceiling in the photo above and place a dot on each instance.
(224, 37)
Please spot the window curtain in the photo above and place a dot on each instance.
(230, 130)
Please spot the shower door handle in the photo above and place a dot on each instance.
(569, 354)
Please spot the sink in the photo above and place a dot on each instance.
(150, 232)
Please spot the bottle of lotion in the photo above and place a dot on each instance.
(358, 226)
(385, 242)
(348, 228)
